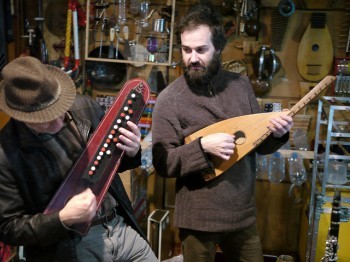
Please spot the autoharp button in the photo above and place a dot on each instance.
(92, 170)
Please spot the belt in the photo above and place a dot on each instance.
(106, 218)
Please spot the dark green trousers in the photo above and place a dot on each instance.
(242, 246)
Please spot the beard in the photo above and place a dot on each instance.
(203, 75)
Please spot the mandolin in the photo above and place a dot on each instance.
(315, 53)
(250, 130)
(99, 162)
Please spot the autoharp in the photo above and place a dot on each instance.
(99, 162)
(250, 130)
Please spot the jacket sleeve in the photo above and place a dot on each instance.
(17, 226)
(272, 144)
(130, 162)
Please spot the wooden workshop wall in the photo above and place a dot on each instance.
(286, 84)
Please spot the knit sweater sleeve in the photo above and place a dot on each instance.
(171, 157)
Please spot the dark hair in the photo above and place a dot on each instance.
(204, 14)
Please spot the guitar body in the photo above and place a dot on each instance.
(315, 54)
(250, 130)
(99, 162)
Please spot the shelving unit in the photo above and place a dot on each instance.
(97, 35)
(332, 130)
(109, 64)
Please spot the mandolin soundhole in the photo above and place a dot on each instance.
(239, 137)
(315, 47)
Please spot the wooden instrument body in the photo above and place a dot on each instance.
(134, 95)
(315, 53)
(250, 130)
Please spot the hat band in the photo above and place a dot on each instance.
(39, 106)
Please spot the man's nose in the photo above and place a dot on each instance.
(194, 57)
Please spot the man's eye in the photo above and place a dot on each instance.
(200, 50)
(187, 50)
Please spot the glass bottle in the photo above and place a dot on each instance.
(146, 160)
(300, 139)
(261, 166)
(121, 13)
(276, 171)
(144, 9)
(297, 172)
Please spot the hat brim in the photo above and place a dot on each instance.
(57, 109)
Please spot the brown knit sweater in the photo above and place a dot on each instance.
(226, 203)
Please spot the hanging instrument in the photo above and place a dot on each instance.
(250, 130)
(99, 162)
(315, 53)
(72, 13)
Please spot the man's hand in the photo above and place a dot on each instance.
(130, 139)
(219, 144)
(80, 208)
(279, 126)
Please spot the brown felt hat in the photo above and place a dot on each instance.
(34, 92)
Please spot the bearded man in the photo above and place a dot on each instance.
(220, 212)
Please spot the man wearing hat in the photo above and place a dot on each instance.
(49, 128)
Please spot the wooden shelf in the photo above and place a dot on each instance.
(305, 154)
